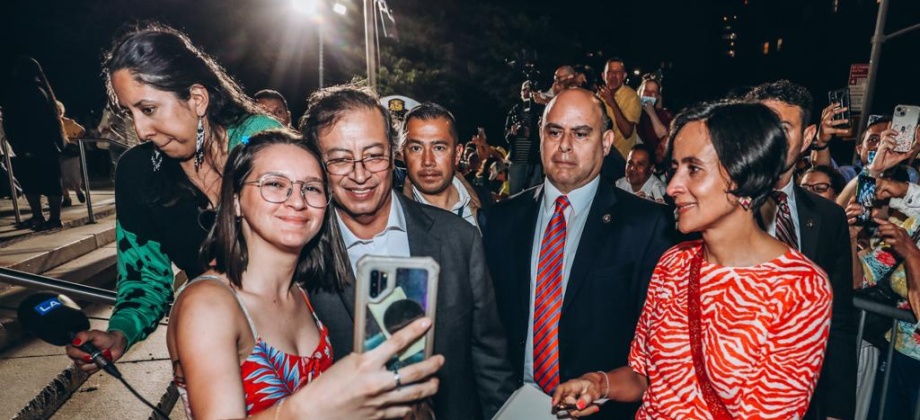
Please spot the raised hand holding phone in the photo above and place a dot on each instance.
(392, 292)
(904, 126)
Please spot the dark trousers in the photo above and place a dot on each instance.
(902, 388)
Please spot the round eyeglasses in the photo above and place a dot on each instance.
(345, 166)
(277, 189)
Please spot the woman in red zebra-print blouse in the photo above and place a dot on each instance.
(734, 325)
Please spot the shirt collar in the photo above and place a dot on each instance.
(455, 184)
(396, 221)
(789, 189)
(579, 199)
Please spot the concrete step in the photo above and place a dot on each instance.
(41, 254)
(103, 206)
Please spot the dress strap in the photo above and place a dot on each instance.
(252, 326)
(310, 307)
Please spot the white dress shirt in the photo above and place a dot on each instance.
(461, 207)
(793, 211)
(575, 216)
(653, 188)
(393, 241)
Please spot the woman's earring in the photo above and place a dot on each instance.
(156, 159)
(745, 202)
(199, 144)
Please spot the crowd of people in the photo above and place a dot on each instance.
(561, 265)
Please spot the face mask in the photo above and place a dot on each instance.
(648, 100)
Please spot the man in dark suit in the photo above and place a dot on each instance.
(357, 141)
(570, 305)
(818, 228)
(431, 149)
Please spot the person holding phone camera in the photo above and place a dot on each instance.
(887, 270)
(358, 142)
(522, 135)
(878, 140)
(231, 356)
(654, 125)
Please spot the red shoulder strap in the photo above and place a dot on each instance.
(713, 401)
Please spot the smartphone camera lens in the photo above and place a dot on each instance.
(375, 283)
(383, 281)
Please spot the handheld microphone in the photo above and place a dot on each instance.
(56, 319)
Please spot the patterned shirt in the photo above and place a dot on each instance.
(880, 261)
(764, 331)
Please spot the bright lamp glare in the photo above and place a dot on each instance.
(339, 8)
(304, 6)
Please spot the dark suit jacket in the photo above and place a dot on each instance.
(476, 379)
(826, 241)
(622, 240)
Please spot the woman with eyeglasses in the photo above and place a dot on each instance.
(824, 181)
(190, 114)
(231, 356)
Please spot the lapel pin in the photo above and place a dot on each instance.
(606, 218)
(810, 223)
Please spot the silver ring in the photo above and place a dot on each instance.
(396, 376)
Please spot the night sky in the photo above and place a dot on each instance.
(266, 44)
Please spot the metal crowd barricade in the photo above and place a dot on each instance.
(9, 174)
(83, 171)
(73, 290)
(865, 306)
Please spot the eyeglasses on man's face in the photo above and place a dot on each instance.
(818, 188)
(277, 189)
(344, 166)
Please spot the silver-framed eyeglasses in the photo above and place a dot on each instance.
(278, 188)
(345, 166)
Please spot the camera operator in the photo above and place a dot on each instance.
(523, 137)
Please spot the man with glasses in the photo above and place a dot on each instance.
(623, 105)
(357, 141)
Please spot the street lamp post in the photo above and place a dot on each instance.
(314, 7)
(370, 36)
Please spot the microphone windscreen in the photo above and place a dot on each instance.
(52, 317)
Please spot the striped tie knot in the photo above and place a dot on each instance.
(562, 203)
(781, 198)
(785, 228)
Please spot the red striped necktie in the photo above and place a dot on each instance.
(785, 229)
(548, 300)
